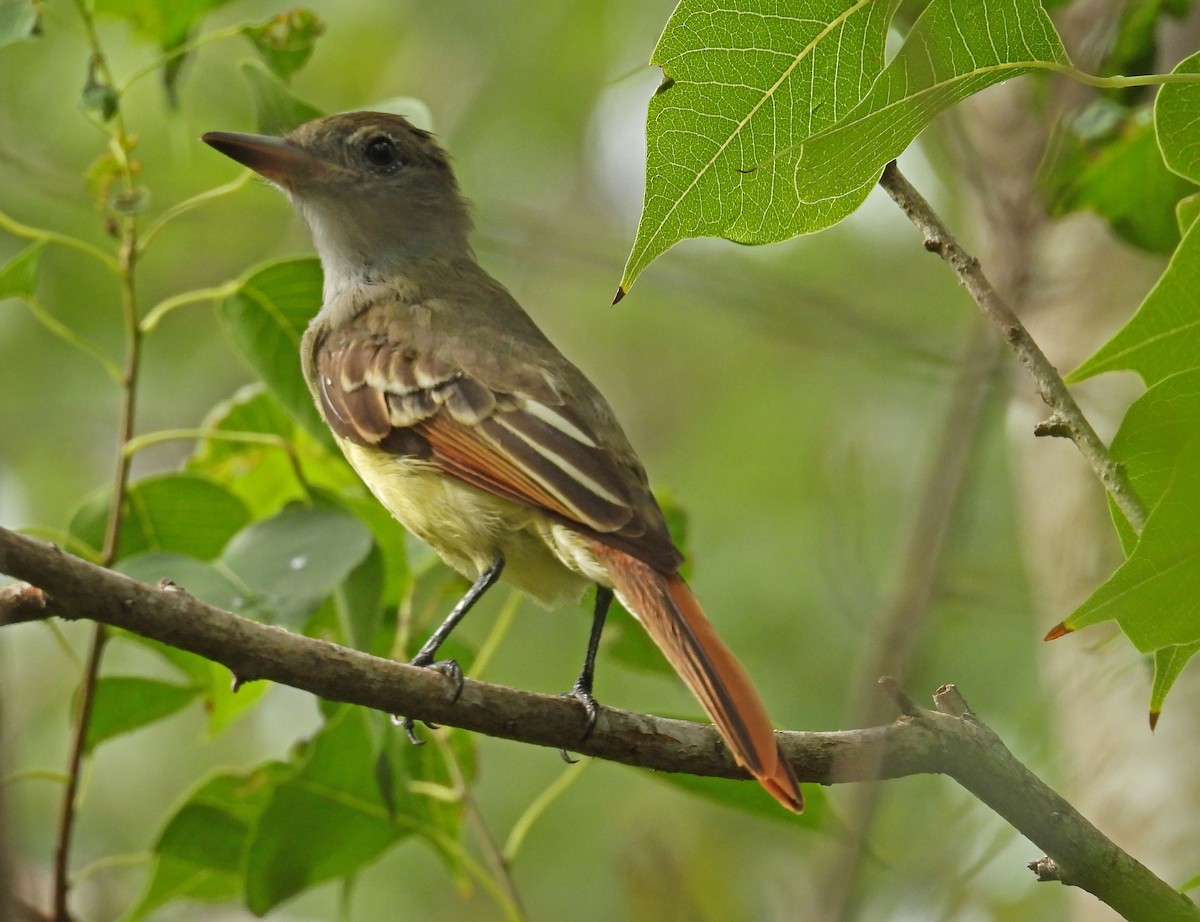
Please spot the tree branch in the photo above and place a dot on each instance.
(950, 741)
(1067, 418)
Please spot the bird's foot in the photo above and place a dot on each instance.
(591, 708)
(451, 670)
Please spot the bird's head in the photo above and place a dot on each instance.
(373, 188)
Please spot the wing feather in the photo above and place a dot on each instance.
(522, 442)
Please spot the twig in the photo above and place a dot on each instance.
(1050, 385)
(950, 741)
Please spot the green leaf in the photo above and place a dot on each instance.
(18, 276)
(168, 512)
(266, 320)
(1186, 212)
(955, 49)
(20, 20)
(1163, 337)
(263, 475)
(325, 821)
(166, 24)
(126, 703)
(295, 559)
(1135, 43)
(213, 683)
(769, 126)
(1168, 664)
(277, 109)
(201, 852)
(207, 581)
(1177, 121)
(1152, 594)
(1124, 180)
(286, 40)
(1156, 428)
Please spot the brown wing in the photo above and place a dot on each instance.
(524, 443)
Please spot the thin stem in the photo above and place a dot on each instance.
(66, 813)
(198, 296)
(28, 232)
(1051, 387)
(69, 336)
(496, 636)
(176, 52)
(195, 201)
(149, 439)
(496, 860)
(524, 823)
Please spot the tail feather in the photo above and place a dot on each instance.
(673, 618)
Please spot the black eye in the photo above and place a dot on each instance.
(380, 151)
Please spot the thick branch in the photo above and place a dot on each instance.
(1068, 419)
(950, 741)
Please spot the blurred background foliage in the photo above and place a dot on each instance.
(790, 398)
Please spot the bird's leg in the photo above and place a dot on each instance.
(582, 689)
(450, 667)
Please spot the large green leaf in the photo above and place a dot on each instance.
(266, 319)
(772, 124)
(1152, 595)
(1163, 337)
(180, 513)
(223, 700)
(267, 476)
(295, 559)
(1177, 121)
(325, 821)
(125, 703)
(1122, 178)
(1156, 428)
(201, 852)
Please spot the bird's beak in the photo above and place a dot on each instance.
(278, 159)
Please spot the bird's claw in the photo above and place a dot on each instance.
(591, 708)
(451, 670)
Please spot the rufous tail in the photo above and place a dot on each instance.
(673, 618)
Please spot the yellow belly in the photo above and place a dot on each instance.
(470, 528)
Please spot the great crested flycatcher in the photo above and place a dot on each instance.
(470, 426)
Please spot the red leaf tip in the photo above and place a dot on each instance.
(1059, 630)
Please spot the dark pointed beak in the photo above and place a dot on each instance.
(278, 159)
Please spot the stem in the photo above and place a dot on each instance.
(120, 143)
(155, 315)
(28, 232)
(1049, 382)
(194, 202)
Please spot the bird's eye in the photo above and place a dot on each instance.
(381, 151)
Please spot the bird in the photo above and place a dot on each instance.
(470, 427)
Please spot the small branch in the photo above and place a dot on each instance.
(955, 743)
(1051, 387)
